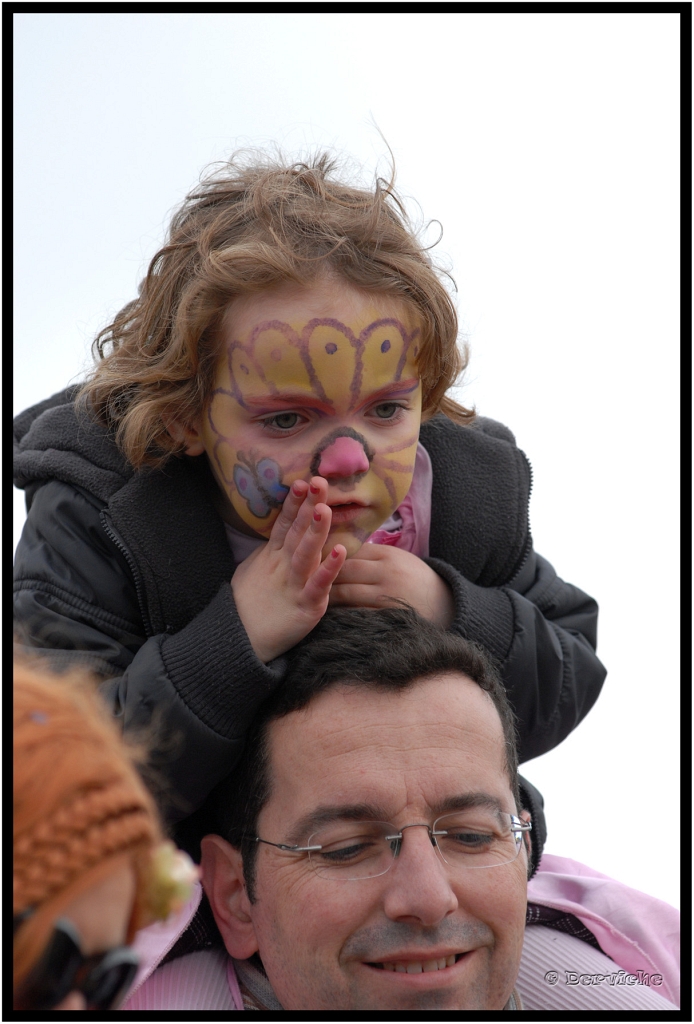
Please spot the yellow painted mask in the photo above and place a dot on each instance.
(299, 393)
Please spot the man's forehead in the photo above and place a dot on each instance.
(451, 692)
(439, 737)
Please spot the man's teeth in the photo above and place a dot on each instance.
(419, 966)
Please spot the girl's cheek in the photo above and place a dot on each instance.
(260, 524)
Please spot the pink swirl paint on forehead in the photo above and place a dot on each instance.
(301, 342)
(407, 337)
(359, 344)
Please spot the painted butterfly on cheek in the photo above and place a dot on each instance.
(260, 485)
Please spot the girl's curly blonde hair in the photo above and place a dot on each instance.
(253, 223)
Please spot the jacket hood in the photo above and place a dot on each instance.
(57, 440)
(485, 480)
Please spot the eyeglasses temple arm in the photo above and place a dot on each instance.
(283, 846)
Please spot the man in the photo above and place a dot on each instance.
(370, 852)
(427, 733)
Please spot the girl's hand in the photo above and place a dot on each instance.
(281, 590)
(378, 575)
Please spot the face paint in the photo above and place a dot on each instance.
(299, 395)
(344, 456)
(259, 485)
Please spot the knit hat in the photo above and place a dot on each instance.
(80, 810)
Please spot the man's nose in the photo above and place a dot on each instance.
(418, 885)
(344, 457)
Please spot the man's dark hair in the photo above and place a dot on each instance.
(386, 650)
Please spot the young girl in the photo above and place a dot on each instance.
(268, 431)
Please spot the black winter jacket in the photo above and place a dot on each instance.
(128, 573)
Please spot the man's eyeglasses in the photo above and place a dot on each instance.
(103, 979)
(352, 850)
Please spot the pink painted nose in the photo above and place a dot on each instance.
(344, 457)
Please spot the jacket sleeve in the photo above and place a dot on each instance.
(542, 633)
(76, 600)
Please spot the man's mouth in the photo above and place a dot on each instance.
(418, 966)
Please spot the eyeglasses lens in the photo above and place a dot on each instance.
(474, 838)
(478, 838)
(353, 850)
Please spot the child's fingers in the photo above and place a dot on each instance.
(319, 584)
(359, 570)
(318, 489)
(304, 521)
(372, 553)
(358, 595)
(306, 517)
(307, 553)
(287, 517)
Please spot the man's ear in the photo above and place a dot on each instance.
(222, 879)
(188, 435)
(527, 816)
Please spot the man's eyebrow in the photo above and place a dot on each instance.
(461, 802)
(396, 389)
(321, 816)
(290, 401)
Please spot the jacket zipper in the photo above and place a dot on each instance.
(112, 535)
(529, 542)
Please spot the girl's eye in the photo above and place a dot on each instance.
(284, 420)
(387, 410)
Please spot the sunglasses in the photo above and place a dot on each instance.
(103, 978)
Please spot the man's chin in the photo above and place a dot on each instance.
(398, 998)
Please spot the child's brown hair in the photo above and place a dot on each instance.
(252, 224)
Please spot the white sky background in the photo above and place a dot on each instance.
(547, 146)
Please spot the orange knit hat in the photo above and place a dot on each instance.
(80, 808)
